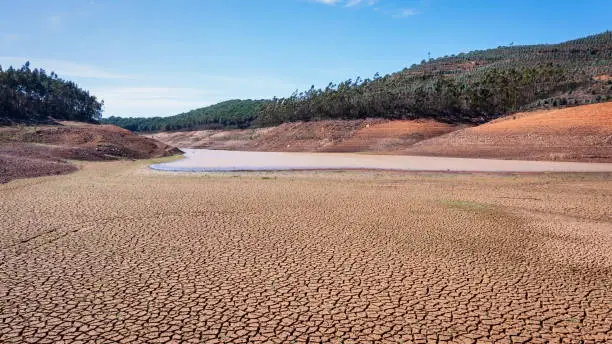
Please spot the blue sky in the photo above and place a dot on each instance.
(154, 57)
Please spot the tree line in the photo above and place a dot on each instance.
(473, 87)
(231, 114)
(28, 95)
(477, 98)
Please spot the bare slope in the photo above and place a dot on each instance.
(29, 151)
(392, 136)
(370, 135)
(581, 133)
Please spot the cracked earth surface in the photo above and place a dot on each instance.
(118, 254)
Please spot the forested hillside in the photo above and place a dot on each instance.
(473, 87)
(229, 114)
(33, 96)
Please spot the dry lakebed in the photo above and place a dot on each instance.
(120, 253)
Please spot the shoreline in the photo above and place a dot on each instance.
(204, 160)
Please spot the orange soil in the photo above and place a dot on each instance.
(582, 133)
(595, 118)
(321, 136)
(392, 136)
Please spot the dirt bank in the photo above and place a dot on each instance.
(581, 133)
(369, 135)
(30, 151)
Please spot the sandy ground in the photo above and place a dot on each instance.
(118, 253)
(202, 160)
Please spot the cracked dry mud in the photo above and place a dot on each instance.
(118, 254)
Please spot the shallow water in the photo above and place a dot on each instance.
(203, 160)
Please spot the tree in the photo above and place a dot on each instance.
(32, 95)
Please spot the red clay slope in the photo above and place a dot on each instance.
(392, 136)
(582, 133)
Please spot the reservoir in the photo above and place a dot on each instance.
(203, 160)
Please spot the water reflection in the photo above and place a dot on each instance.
(203, 160)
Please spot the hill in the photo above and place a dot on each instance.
(466, 88)
(473, 87)
(229, 114)
(31, 151)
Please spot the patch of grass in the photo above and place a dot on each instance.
(268, 178)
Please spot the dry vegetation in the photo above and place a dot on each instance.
(30, 151)
(118, 253)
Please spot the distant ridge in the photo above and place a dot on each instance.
(473, 87)
(236, 114)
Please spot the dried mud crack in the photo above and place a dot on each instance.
(116, 253)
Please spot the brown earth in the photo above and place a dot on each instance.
(116, 253)
(582, 133)
(391, 136)
(30, 151)
(370, 135)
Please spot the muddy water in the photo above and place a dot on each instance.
(203, 160)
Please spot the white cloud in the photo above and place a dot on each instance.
(152, 101)
(148, 101)
(134, 95)
(62, 68)
(406, 12)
